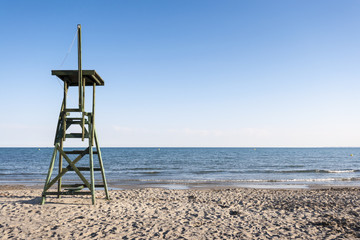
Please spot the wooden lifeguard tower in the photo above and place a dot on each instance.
(86, 124)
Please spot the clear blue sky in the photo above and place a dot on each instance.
(187, 73)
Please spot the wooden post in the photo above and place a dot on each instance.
(83, 97)
(49, 175)
(64, 112)
(93, 116)
(101, 165)
(58, 127)
(60, 167)
(64, 134)
(91, 158)
(80, 78)
(83, 113)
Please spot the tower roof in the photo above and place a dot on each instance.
(71, 77)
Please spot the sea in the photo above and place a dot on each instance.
(183, 168)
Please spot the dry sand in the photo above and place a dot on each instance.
(152, 213)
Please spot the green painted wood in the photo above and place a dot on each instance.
(74, 119)
(85, 169)
(83, 96)
(64, 115)
(58, 135)
(101, 165)
(80, 77)
(72, 110)
(93, 116)
(60, 166)
(77, 185)
(75, 189)
(75, 169)
(71, 77)
(83, 127)
(59, 123)
(52, 162)
(78, 152)
(65, 170)
(67, 193)
(91, 161)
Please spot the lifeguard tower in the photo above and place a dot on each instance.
(86, 124)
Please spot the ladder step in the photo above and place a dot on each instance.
(73, 118)
(75, 189)
(76, 135)
(83, 169)
(73, 122)
(67, 193)
(78, 152)
(72, 110)
(79, 185)
(76, 122)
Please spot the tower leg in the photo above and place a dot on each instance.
(60, 168)
(51, 167)
(101, 165)
(92, 184)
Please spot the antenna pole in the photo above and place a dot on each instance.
(80, 77)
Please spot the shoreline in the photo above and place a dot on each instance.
(212, 185)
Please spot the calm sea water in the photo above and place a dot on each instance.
(196, 166)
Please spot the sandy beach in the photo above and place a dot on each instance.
(153, 213)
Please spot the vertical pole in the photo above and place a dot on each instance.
(64, 135)
(83, 92)
(101, 165)
(83, 114)
(91, 126)
(58, 133)
(91, 143)
(64, 111)
(60, 167)
(79, 69)
(52, 162)
(93, 116)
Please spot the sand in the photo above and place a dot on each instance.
(153, 213)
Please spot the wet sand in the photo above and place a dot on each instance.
(154, 213)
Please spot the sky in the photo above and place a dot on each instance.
(185, 73)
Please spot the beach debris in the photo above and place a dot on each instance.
(191, 198)
(234, 213)
(223, 206)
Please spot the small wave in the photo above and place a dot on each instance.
(342, 171)
(22, 174)
(208, 171)
(141, 169)
(148, 173)
(314, 171)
